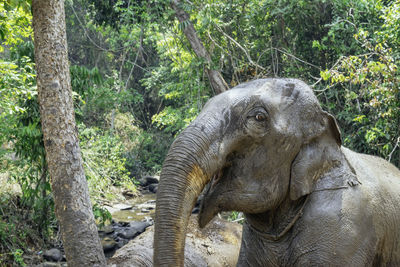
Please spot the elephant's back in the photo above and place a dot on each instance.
(380, 189)
(374, 172)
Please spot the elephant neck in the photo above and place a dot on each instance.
(275, 224)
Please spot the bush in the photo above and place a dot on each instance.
(104, 162)
(17, 231)
(149, 155)
(364, 93)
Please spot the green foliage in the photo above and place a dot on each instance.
(137, 83)
(20, 126)
(180, 84)
(15, 22)
(101, 215)
(104, 162)
(17, 231)
(30, 216)
(236, 216)
(16, 84)
(148, 156)
(18, 259)
(366, 88)
(96, 96)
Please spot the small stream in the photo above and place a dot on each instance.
(130, 219)
(142, 208)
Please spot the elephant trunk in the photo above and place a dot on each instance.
(185, 173)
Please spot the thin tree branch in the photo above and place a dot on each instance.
(240, 46)
(298, 59)
(92, 41)
(136, 58)
(394, 149)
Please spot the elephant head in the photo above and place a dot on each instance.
(255, 145)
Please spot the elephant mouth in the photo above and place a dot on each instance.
(215, 179)
(218, 176)
(210, 205)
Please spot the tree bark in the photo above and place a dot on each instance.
(216, 80)
(72, 204)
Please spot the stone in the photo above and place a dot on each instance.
(128, 194)
(111, 209)
(140, 226)
(107, 229)
(121, 243)
(153, 188)
(147, 206)
(50, 264)
(142, 182)
(128, 233)
(145, 181)
(108, 244)
(149, 220)
(53, 254)
(215, 245)
(121, 206)
(122, 224)
(133, 230)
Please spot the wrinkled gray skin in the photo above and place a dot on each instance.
(266, 148)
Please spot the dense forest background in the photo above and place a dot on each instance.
(137, 83)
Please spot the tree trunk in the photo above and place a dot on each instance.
(217, 82)
(72, 204)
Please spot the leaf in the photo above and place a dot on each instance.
(325, 75)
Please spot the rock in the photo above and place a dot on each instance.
(108, 229)
(121, 243)
(139, 226)
(145, 181)
(121, 206)
(51, 264)
(122, 224)
(142, 182)
(153, 188)
(111, 209)
(133, 230)
(148, 220)
(216, 245)
(108, 244)
(128, 233)
(147, 206)
(53, 254)
(128, 194)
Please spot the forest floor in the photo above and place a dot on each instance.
(22, 245)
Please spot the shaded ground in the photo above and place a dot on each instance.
(216, 245)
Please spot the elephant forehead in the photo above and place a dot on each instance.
(275, 90)
(278, 96)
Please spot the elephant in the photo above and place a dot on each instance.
(267, 149)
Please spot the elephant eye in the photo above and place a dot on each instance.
(260, 116)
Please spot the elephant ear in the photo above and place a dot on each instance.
(313, 158)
